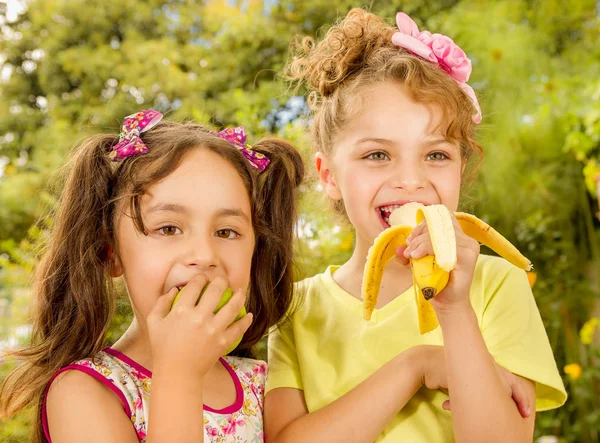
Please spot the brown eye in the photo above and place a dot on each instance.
(437, 156)
(378, 156)
(226, 233)
(169, 230)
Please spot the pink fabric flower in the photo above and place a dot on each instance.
(212, 432)
(439, 49)
(231, 426)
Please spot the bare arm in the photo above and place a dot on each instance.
(481, 409)
(176, 407)
(80, 409)
(186, 342)
(380, 397)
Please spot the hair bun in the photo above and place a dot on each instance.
(322, 67)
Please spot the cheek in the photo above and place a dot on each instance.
(448, 187)
(357, 182)
(240, 264)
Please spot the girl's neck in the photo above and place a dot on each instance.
(349, 276)
(134, 343)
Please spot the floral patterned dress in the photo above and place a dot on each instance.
(239, 422)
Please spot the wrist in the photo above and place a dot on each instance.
(458, 319)
(449, 311)
(177, 372)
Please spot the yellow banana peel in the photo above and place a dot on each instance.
(430, 273)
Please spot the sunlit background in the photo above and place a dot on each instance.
(70, 68)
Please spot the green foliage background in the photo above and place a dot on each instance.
(69, 68)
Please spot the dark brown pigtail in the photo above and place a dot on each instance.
(74, 299)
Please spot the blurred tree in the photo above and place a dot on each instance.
(69, 68)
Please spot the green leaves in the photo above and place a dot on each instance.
(71, 68)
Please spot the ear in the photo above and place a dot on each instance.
(115, 267)
(323, 165)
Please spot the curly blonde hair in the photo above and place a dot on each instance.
(358, 52)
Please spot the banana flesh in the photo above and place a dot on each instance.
(430, 273)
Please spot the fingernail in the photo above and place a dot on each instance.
(528, 411)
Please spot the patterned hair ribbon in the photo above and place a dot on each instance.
(237, 137)
(438, 49)
(130, 143)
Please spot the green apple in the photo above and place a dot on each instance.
(227, 294)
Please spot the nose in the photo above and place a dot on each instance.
(201, 253)
(409, 177)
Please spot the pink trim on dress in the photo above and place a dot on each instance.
(128, 360)
(88, 371)
(236, 406)
(239, 391)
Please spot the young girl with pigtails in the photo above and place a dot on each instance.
(393, 122)
(176, 211)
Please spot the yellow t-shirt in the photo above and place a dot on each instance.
(328, 348)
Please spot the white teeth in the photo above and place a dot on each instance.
(390, 208)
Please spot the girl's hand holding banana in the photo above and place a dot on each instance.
(455, 296)
(442, 251)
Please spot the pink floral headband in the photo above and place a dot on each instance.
(130, 143)
(438, 49)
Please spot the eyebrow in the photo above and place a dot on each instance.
(232, 212)
(383, 141)
(221, 213)
(167, 207)
(438, 141)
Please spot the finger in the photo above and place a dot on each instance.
(232, 308)
(446, 405)
(191, 292)
(457, 227)
(418, 230)
(237, 329)
(416, 242)
(422, 250)
(212, 296)
(520, 398)
(163, 305)
(400, 255)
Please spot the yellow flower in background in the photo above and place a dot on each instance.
(573, 370)
(590, 173)
(586, 334)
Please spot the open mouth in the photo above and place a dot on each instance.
(385, 212)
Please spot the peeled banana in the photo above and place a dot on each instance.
(430, 273)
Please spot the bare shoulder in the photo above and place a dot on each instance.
(80, 408)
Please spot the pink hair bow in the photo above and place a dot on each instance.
(130, 143)
(439, 49)
(237, 137)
